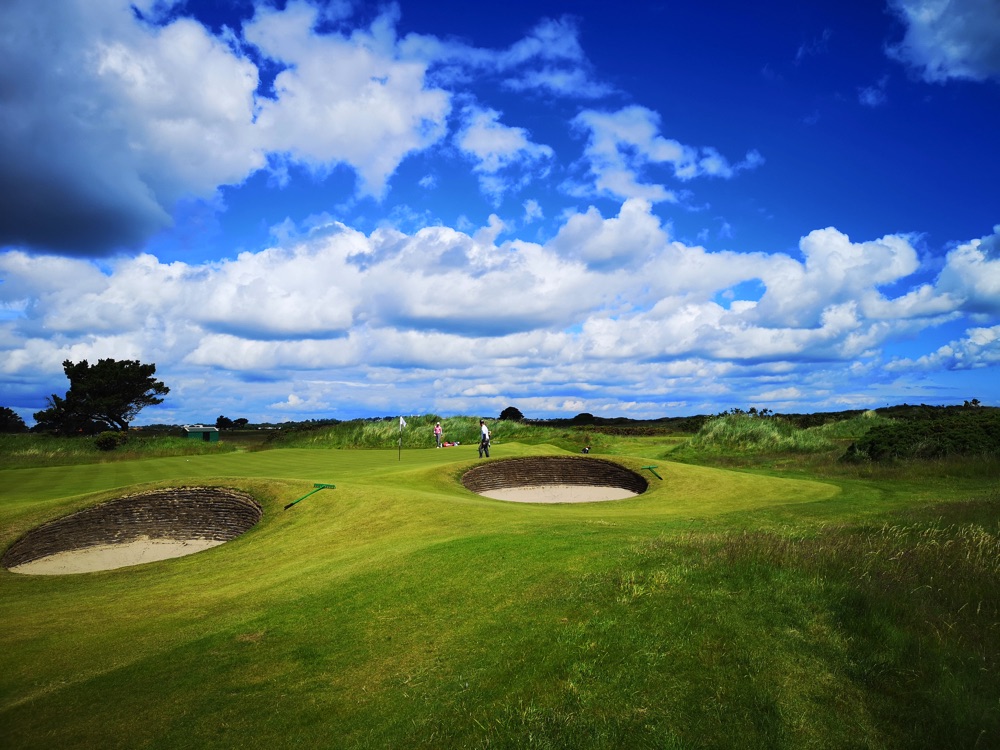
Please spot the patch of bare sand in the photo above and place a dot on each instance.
(111, 556)
(559, 493)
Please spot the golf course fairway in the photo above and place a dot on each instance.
(402, 610)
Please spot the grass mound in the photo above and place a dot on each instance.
(750, 434)
(418, 433)
(850, 428)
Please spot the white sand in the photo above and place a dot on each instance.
(559, 493)
(111, 556)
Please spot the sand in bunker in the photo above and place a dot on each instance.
(559, 493)
(111, 556)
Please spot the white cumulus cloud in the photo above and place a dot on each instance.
(353, 99)
(610, 305)
(972, 274)
(107, 122)
(979, 348)
(947, 39)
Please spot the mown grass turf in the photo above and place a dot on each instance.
(720, 609)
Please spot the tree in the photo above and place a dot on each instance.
(224, 423)
(512, 414)
(104, 396)
(10, 421)
(63, 419)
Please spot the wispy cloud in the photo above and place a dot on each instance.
(622, 145)
(875, 95)
(816, 46)
(505, 157)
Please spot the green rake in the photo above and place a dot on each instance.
(318, 486)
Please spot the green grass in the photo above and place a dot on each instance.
(848, 607)
(742, 433)
(850, 429)
(30, 450)
(385, 433)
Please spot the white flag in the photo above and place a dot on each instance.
(402, 423)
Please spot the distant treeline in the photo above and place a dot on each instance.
(660, 425)
(692, 424)
(902, 412)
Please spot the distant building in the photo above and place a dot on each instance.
(202, 432)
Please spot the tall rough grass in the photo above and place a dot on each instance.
(917, 605)
(384, 433)
(751, 434)
(27, 450)
(852, 635)
(852, 428)
(418, 433)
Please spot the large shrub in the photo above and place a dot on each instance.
(110, 439)
(972, 432)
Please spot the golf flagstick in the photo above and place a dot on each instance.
(402, 424)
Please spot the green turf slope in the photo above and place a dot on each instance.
(401, 610)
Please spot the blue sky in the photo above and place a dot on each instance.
(304, 210)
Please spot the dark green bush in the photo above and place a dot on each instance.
(973, 432)
(111, 439)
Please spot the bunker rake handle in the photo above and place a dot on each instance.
(653, 470)
(318, 487)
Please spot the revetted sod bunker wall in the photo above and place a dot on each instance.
(181, 513)
(534, 471)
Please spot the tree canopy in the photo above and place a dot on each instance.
(10, 421)
(104, 396)
(512, 414)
